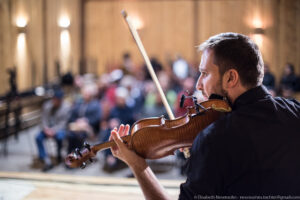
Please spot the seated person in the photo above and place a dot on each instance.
(289, 78)
(85, 118)
(54, 119)
(121, 110)
(111, 164)
(121, 113)
(269, 78)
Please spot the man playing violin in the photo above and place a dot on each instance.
(254, 150)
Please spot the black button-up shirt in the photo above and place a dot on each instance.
(254, 150)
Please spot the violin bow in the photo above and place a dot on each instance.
(140, 45)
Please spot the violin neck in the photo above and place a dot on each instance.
(106, 145)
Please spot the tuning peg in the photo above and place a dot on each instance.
(75, 156)
(83, 165)
(71, 157)
(77, 151)
(182, 101)
(87, 145)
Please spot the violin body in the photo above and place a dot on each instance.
(155, 138)
(166, 136)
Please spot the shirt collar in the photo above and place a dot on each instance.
(250, 96)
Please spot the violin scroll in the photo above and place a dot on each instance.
(80, 158)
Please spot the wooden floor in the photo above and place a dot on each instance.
(38, 186)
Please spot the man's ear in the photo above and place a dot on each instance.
(230, 78)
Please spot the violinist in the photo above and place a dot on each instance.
(254, 150)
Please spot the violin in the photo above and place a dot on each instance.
(154, 138)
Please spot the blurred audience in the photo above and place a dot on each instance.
(55, 115)
(157, 67)
(180, 68)
(127, 64)
(153, 106)
(289, 82)
(287, 92)
(289, 78)
(125, 94)
(121, 113)
(269, 78)
(85, 117)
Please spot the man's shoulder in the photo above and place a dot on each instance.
(225, 129)
(289, 102)
(290, 105)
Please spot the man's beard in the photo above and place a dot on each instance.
(219, 90)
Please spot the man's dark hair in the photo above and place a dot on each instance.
(239, 52)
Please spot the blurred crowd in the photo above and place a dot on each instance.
(123, 95)
(287, 86)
